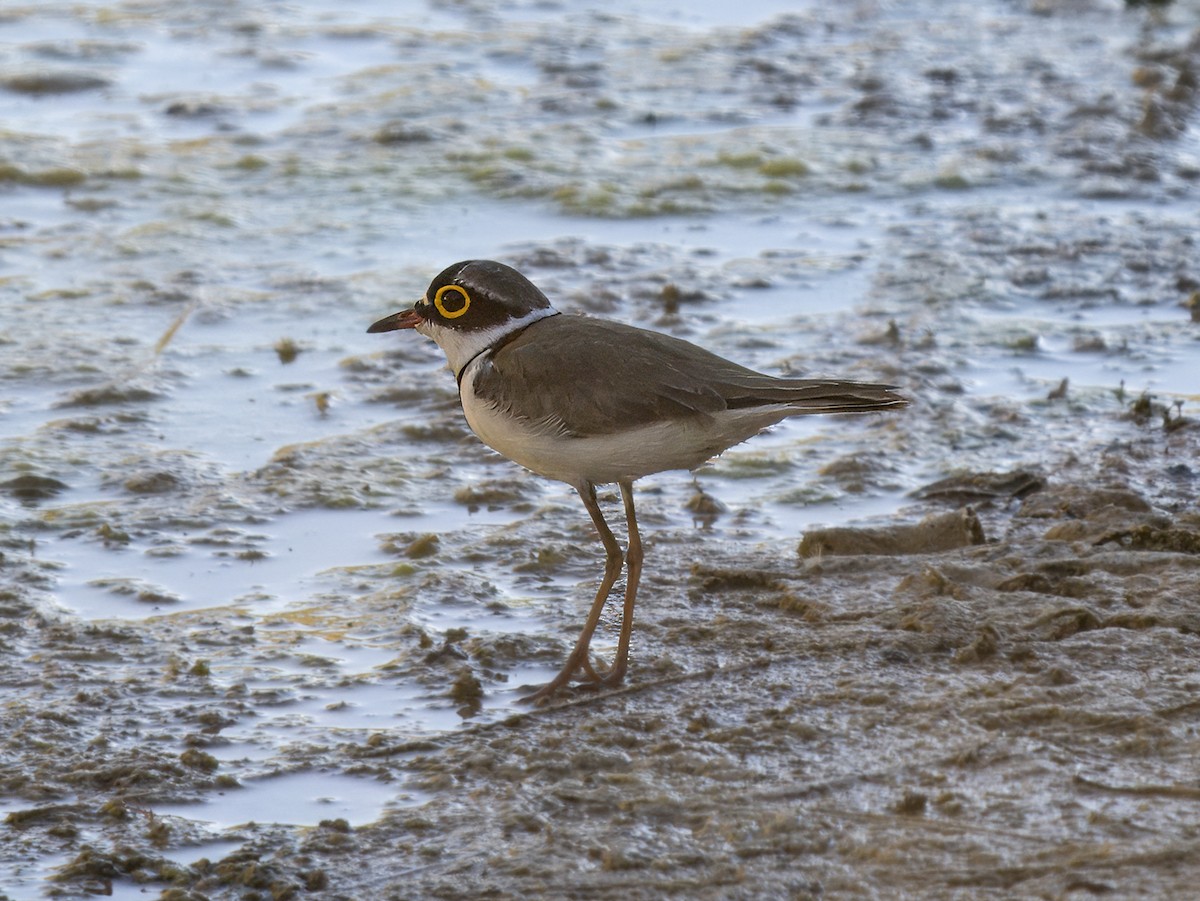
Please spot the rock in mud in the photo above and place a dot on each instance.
(935, 533)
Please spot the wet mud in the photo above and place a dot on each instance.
(267, 609)
(1008, 718)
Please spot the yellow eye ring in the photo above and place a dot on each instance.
(439, 301)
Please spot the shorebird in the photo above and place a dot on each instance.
(589, 401)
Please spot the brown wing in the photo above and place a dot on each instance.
(608, 376)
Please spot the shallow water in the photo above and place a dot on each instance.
(971, 201)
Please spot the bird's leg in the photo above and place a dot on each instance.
(633, 573)
(612, 568)
(589, 672)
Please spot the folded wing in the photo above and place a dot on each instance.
(660, 377)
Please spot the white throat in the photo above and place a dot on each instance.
(460, 347)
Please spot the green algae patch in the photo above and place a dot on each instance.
(750, 465)
(743, 160)
(252, 163)
(45, 83)
(287, 350)
(784, 167)
(195, 759)
(60, 177)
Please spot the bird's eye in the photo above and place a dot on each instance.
(451, 301)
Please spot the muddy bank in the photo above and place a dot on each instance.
(1010, 718)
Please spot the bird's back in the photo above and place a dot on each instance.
(608, 376)
(627, 402)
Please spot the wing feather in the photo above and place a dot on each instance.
(607, 376)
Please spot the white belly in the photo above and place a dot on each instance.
(616, 456)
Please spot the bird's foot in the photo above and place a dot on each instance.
(588, 680)
(609, 678)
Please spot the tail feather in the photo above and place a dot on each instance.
(818, 396)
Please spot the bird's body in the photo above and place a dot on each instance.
(589, 401)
